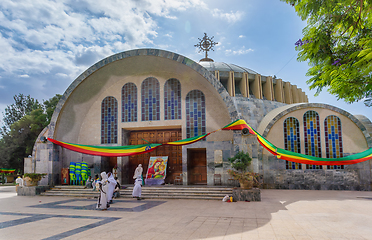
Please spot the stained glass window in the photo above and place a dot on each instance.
(333, 139)
(172, 99)
(195, 114)
(312, 137)
(150, 99)
(292, 141)
(129, 103)
(109, 120)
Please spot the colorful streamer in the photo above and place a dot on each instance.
(298, 157)
(119, 151)
(6, 170)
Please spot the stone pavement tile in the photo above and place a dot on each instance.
(218, 231)
(284, 237)
(281, 215)
(266, 234)
(233, 236)
(200, 233)
(250, 234)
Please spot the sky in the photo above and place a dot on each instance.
(46, 44)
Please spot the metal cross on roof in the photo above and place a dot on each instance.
(206, 44)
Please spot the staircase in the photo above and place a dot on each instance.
(153, 192)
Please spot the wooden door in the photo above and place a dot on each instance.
(197, 166)
(174, 153)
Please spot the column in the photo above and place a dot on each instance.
(244, 85)
(268, 88)
(288, 93)
(231, 84)
(278, 90)
(257, 87)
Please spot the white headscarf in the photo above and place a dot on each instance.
(138, 171)
(104, 176)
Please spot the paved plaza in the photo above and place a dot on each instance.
(282, 214)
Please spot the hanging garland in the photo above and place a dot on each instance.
(120, 151)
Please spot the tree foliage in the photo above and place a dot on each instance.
(22, 106)
(23, 125)
(337, 43)
(240, 161)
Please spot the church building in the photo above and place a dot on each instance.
(156, 96)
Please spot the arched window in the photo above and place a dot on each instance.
(129, 103)
(172, 99)
(292, 141)
(195, 114)
(109, 120)
(150, 99)
(312, 137)
(333, 139)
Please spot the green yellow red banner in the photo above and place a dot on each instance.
(236, 125)
(6, 170)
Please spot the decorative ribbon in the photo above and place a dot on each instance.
(119, 151)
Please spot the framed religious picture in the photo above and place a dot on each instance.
(157, 170)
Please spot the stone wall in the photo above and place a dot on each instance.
(275, 175)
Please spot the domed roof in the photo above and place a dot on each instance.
(224, 67)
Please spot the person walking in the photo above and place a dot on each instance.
(102, 203)
(137, 190)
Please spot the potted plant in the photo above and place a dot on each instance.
(32, 179)
(240, 163)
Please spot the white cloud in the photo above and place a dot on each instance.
(241, 36)
(41, 35)
(238, 52)
(24, 76)
(230, 17)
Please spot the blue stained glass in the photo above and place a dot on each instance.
(333, 138)
(292, 140)
(129, 99)
(109, 120)
(150, 99)
(195, 114)
(312, 137)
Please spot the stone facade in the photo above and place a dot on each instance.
(77, 120)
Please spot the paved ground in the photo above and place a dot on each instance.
(282, 214)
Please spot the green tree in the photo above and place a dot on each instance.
(50, 105)
(337, 43)
(22, 106)
(18, 140)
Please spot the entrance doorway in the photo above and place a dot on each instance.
(108, 164)
(174, 153)
(197, 166)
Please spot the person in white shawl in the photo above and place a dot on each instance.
(138, 171)
(111, 187)
(137, 190)
(103, 188)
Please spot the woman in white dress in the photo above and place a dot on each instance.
(137, 190)
(103, 188)
(111, 187)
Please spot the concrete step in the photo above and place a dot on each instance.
(156, 192)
